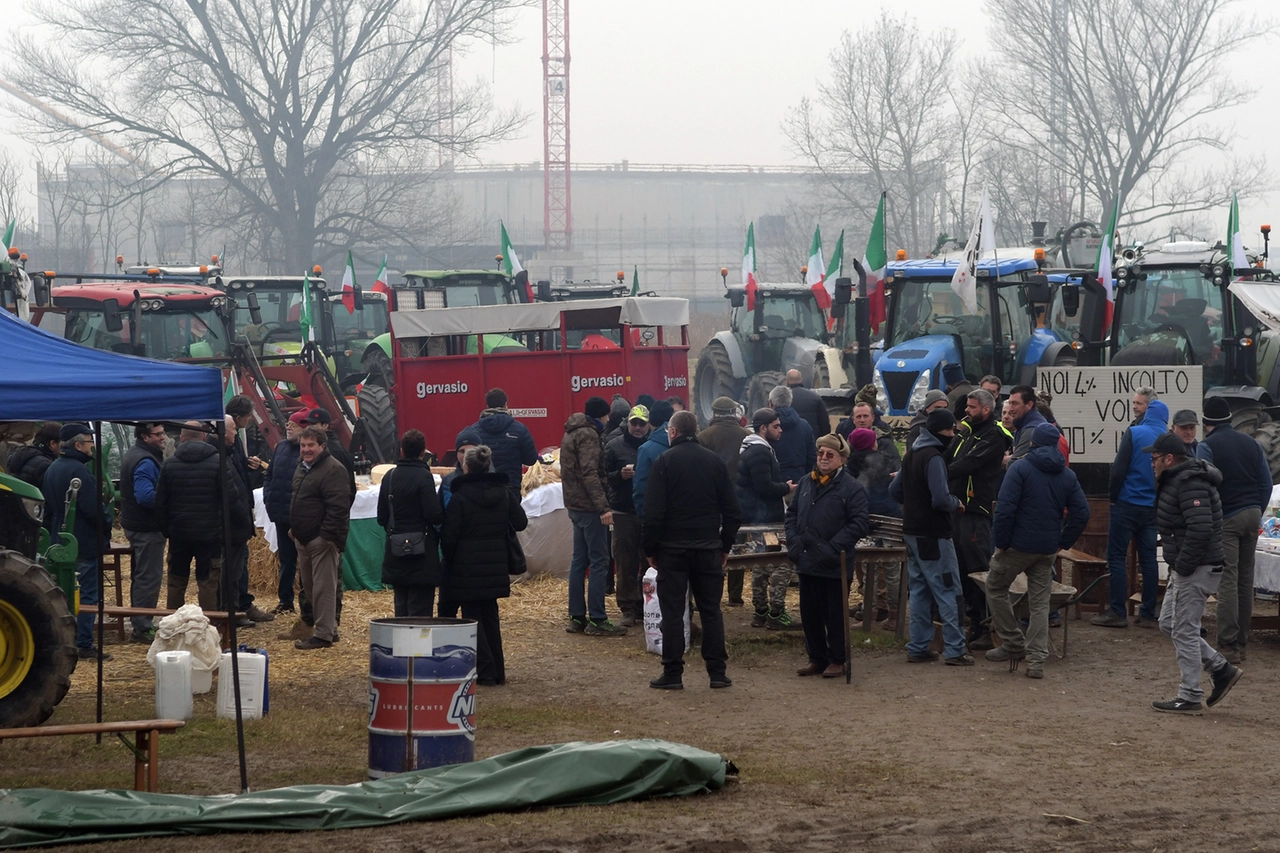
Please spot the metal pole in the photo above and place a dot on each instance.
(862, 329)
(230, 588)
(100, 533)
(848, 628)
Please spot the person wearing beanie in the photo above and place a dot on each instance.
(1189, 515)
(1184, 424)
(1245, 491)
(826, 519)
(933, 401)
(30, 461)
(760, 489)
(927, 510)
(1133, 514)
(511, 442)
(659, 413)
(586, 497)
(616, 425)
(975, 467)
(723, 437)
(796, 450)
(620, 468)
(75, 455)
(1028, 531)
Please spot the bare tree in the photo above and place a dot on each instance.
(880, 124)
(277, 98)
(1113, 94)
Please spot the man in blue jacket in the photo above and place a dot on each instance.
(797, 453)
(1245, 493)
(659, 413)
(511, 442)
(140, 518)
(1133, 514)
(1028, 530)
(277, 493)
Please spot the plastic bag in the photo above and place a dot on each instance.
(187, 629)
(653, 614)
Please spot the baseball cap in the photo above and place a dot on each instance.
(1184, 417)
(639, 413)
(299, 417)
(1167, 443)
(319, 416)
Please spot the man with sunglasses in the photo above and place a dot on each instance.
(140, 518)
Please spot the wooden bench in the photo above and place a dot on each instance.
(218, 618)
(890, 547)
(146, 750)
(1088, 571)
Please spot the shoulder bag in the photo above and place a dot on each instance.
(410, 543)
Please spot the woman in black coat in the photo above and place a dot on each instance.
(482, 514)
(412, 488)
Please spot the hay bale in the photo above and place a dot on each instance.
(545, 470)
(264, 566)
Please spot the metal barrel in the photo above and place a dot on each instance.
(434, 662)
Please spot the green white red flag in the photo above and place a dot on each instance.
(749, 267)
(1106, 251)
(349, 285)
(876, 262)
(1235, 243)
(512, 265)
(304, 315)
(380, 283)
(8, 234)
(816, 272)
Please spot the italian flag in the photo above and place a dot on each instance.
(511, 264)
(304, 315)
(380, 283)
(749, 267)
(835, 267)
(8, 234)
(816, 273)
(1106, 251)
(349, 285)
(876, 262)
(1235, 243)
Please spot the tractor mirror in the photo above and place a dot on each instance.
(737, 298)
(1071, 299)
(255, 312)
(844, 293)
(41, 289)
(111, 315)
(837, 307)
(544, 291)
(1038, 289)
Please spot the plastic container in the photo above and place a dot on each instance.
(434, 661)
(253, 685)
(201, 680)
(173, 686)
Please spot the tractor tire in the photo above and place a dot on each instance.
(1268, 435)
(760, 386)
(378, 365)
(713, 377)
(1249, 419)
(37, 642)
(1066, 358)
(378, 414)
(821, 373)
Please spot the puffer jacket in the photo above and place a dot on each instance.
(277, 489)
(474, 536)
(759, 483)
(824, 520)
(190, 499)
(417, 509)
(874, 469)
(67, 467)
(797, 452)
(1189, 516)
(1022, 435)
(975, 464)
(690, 502)
(582, 473)
(809, 406)
(723, 437)
(321, 502)
(1132, 479)
(657, 445)
(618, 454)
(1028, 516)
(29, 462)
(511, 443)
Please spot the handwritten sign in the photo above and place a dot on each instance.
(1094, 405)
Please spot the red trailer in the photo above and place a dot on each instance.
(551, 358)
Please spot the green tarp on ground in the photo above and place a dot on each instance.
(566, 774)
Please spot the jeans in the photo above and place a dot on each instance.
(1005, 566)
(1235, 593)
(933, 582)
(288, 553)
(590, 546)
(679, 572)
(1180, 615)
(145, 573)
(1129, 521)
(87, 574)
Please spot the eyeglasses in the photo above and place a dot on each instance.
(157, 433)
(828, 454)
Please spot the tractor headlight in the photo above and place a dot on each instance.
(918, 391)
(35, 509)
(882, 394)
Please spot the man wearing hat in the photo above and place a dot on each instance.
(760, 489)
(933, 401)
(277, 494)
(620, 467)
(321, 418)
(1028, 531)
(1245, 493)
(1189, 516)
(827, 517)
(1184, 425)
(927, 510)
(723, 437)
(91, 525)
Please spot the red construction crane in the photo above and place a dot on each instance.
(557, 221)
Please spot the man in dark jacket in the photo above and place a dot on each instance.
(933, 400)
(235, 565)
(190, 499)
(30, 461)
(322, 419)
(510, 440)
(875, 468)
(1245, 493)
(760, 490)
(864, 417)
(616, 425)
(690, 523)
(796, 451)
(828, 516)
(408, 503)
(1029, 531)
(1184, 425)
(1021, 406)
(76, 442)
(319, 518)
(724, 435)
(927, 510)
(1189, 515)
(620, 467)
(808, 405)
(958, 388)
(277, 494)
(586, 497)
(140, 518)
(974, 470)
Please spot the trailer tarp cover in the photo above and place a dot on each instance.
(46, 378)
(491, 319)
(1262, 300)
(568, 774)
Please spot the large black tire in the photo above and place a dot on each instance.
(1065, 358)
(1249, 419)
(760, 386)
(378, 365)
(378, 413)
(39, 636)
(821, 373)
(1268, 435)
(713, 377)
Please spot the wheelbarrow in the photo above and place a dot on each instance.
(1061, 597)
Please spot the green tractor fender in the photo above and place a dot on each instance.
(60, 558)
(381, 342)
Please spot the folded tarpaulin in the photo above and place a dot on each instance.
(566, 774)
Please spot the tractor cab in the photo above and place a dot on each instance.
(356, 329)
(278, 331)
(454, 289)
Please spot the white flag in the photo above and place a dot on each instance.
(982, 240)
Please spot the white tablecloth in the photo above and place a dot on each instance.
(364, 506)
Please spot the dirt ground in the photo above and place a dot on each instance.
(909, 757)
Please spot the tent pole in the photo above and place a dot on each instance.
(230, 588)
(98, 516)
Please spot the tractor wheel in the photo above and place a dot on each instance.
(821, 373)
(760, 386)
(1268, 435)
(1065, 358)
(378, 365)
(37, 642)
(378, 413)
(1249, 419)
(712, 378)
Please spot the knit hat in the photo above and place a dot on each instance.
(299, 417)
(1216, 411)
(660, 412)
(763, 417)
(70, 431)
(724, 406)
(619, 407)
(862, 439)
(933, 397)
(646, 400)
(596, 407)
(940, 419)
(952, 374)
(467, 436)
(1184, 417)
(835, 441)
(1045, 435)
